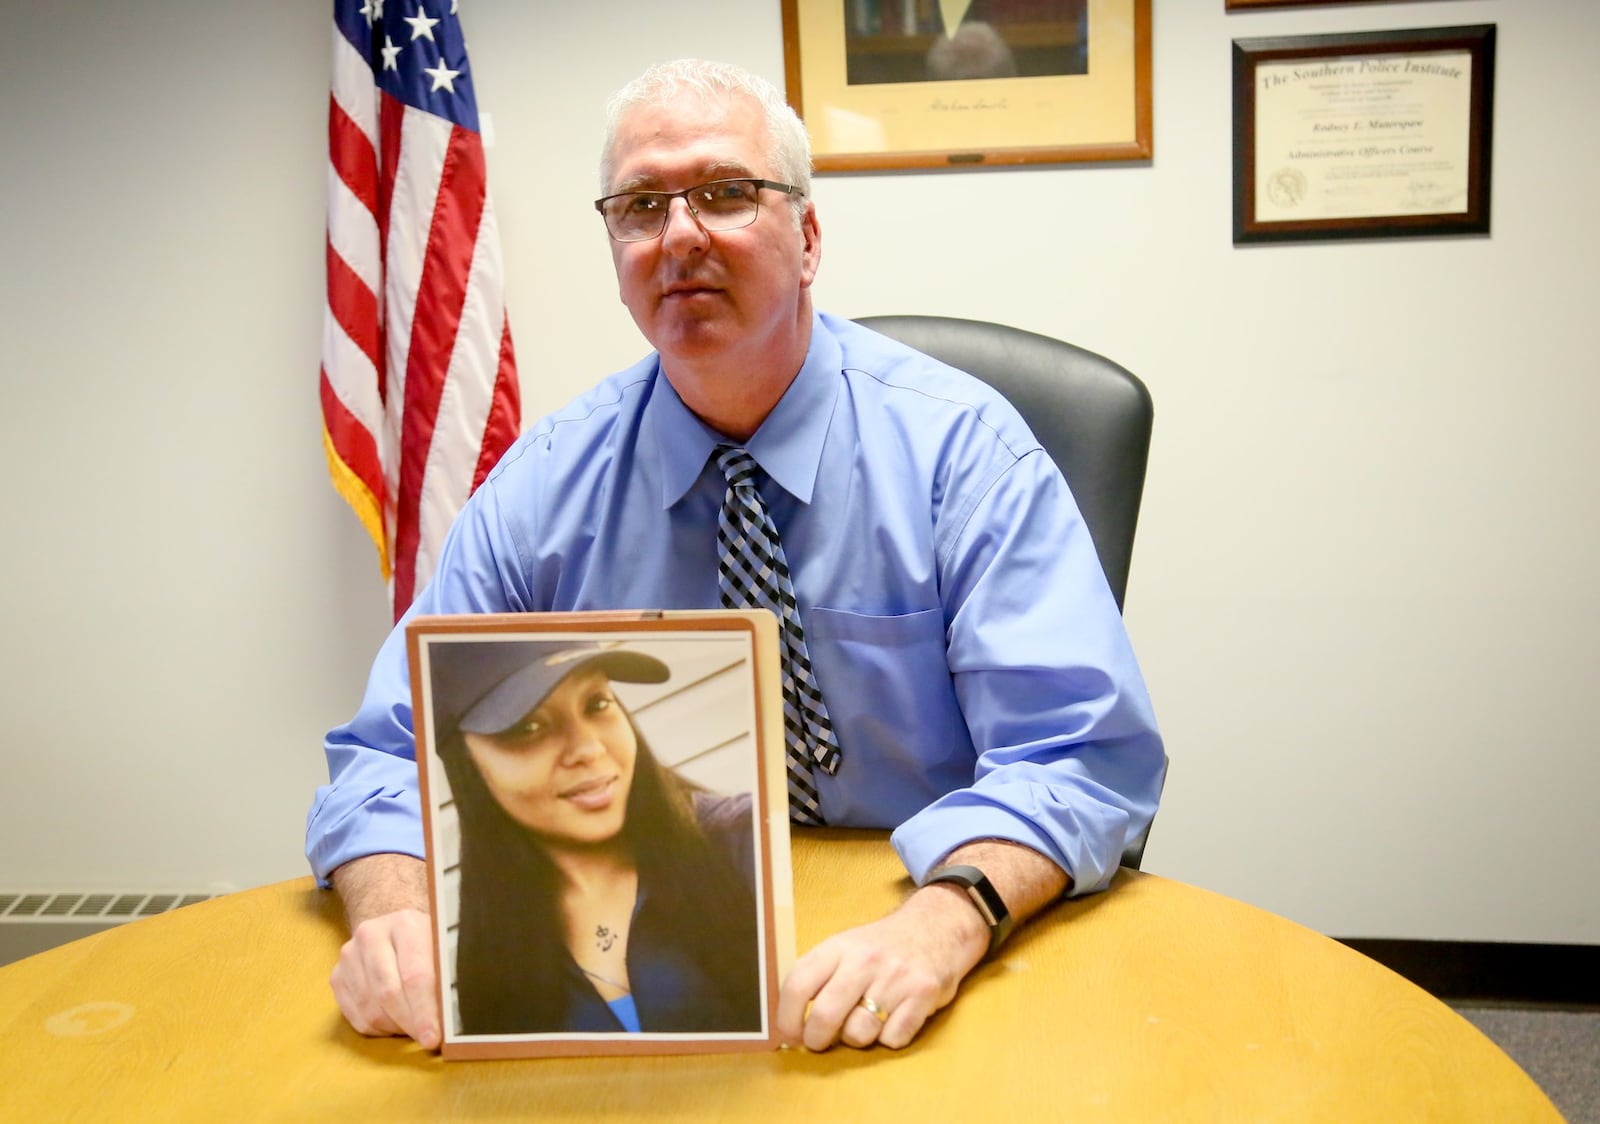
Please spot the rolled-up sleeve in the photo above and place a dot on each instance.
(1070, 762)
(371, 804)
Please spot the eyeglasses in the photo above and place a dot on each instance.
(638, 216)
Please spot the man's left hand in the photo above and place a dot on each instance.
(909, 965)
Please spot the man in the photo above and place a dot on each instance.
(971, 661)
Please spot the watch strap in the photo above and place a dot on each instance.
(984, 897)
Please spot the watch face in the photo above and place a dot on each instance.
(982, 903)
(985, 899)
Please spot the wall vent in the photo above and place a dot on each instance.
(47, 906)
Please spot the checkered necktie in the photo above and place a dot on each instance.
(753, 574)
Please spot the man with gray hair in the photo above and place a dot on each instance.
(955, 666)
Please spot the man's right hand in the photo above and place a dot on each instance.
(385, 981)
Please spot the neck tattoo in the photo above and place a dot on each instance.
(604, 938)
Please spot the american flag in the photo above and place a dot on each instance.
(419, 383)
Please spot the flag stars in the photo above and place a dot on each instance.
(373, 10)
(443, 77)
(422, 27)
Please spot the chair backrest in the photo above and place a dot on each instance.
(1091, 415)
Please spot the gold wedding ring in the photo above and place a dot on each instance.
(870, 1005)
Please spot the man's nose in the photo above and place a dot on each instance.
(683, 233)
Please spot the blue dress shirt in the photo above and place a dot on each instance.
(974, 663)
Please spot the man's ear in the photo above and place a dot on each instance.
(811, 234)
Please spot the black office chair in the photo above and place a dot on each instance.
(1091, 415)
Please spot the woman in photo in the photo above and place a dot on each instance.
(600, 891)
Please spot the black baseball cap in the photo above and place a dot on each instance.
(493, 684)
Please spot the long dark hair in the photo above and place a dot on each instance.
(512, 963)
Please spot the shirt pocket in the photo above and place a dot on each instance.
(887, 685)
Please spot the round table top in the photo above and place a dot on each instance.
(1153, 1001)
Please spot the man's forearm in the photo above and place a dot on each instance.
(1025, 880)
(374, 885)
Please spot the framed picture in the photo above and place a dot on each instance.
(606, 829)
(1379, 134)
(962, 83)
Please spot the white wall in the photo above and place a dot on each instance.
(1364, 590)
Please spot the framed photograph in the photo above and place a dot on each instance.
(1380, 134)
(962, 83)
(606, 830)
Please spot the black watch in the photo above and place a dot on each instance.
(985, 898)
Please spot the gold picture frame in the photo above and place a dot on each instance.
(880, 85)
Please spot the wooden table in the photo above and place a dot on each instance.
(1153, 1001)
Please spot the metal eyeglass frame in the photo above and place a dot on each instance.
(669, 196)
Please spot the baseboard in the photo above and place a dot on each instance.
(32, 921)
(1493, 973)
(19, 941)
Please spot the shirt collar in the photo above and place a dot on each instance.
(788, 446)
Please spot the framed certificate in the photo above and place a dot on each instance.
(606, 829)
(964, 83)
(1367, 135)
(1237, 5)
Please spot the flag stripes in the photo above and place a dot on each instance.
(419, 385)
